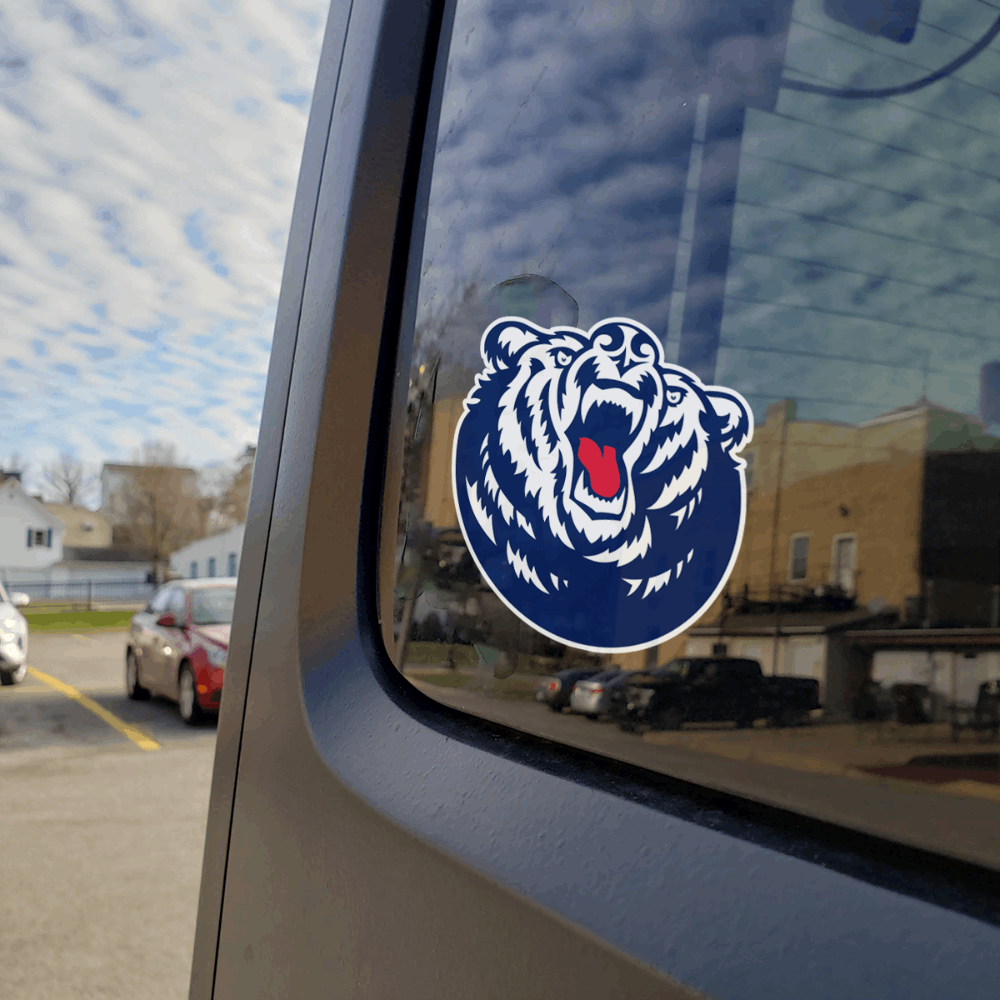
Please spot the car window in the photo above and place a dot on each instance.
(648, 262)
(212, 606)
(177, 604)
(160, 600)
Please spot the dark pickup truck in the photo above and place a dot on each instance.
(711, 689)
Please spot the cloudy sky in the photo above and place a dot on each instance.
(865, 257)
(150, 150)
(148, 162)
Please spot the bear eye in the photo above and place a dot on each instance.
(563, 358)
(674, 396)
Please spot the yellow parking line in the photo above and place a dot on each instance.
(139, 738)
(84, 638)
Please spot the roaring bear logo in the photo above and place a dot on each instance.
(598, 486)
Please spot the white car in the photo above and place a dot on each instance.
(13, 638)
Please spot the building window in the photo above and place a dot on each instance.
(798, 562)
(843, 561)
(194, 571)
(40, 538)
(211, 566)
(231, 569)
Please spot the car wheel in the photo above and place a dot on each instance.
(187, 696)
(15, 676)
(555, 708)
(628, 726)
(745, 722)
(133, 688)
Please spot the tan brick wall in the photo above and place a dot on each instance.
(439, 508)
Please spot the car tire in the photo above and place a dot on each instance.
(745, 722)
(15, 676)
(187, 696)
(628, 726)
(555, 708)
(133, 686)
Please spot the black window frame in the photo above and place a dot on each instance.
(735, 898)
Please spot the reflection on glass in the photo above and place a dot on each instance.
(834, 259)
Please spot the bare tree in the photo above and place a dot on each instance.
(67, 480)
(163, 508)
(226, 490)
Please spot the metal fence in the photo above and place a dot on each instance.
(88, 594)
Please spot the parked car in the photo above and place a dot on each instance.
(712, 689)
(178, 644)
(590, 695)
(13, 638)
(555, 691)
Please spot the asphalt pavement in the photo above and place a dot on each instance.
(103, 805)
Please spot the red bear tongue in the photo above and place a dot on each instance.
(603, 468)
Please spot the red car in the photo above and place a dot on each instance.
(178, 644)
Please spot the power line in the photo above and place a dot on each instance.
(874, 187)
(826, 265)
(907, 88)
(796, 352)
(826, 311)
(816, 217)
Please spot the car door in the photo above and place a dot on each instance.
(144, 636)
(162, 641)
(176, 640)
(366, 840)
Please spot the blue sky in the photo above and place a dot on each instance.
(148, 164)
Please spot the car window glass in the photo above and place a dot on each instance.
(177, 604)
(773, 203)
(160, 600)
(212, 606)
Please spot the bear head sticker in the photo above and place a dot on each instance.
(598, 487)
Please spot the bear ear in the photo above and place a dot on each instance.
(735, 416)
(505, 338)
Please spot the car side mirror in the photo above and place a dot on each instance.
(167, 621)
(19, 600)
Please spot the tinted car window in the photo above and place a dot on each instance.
(787, 205)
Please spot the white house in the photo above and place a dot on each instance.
(217, 555)
(31, 536)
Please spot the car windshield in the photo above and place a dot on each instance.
(213, 607)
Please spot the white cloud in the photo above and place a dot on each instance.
(162, 139)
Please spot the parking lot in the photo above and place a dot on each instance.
(103, 804)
